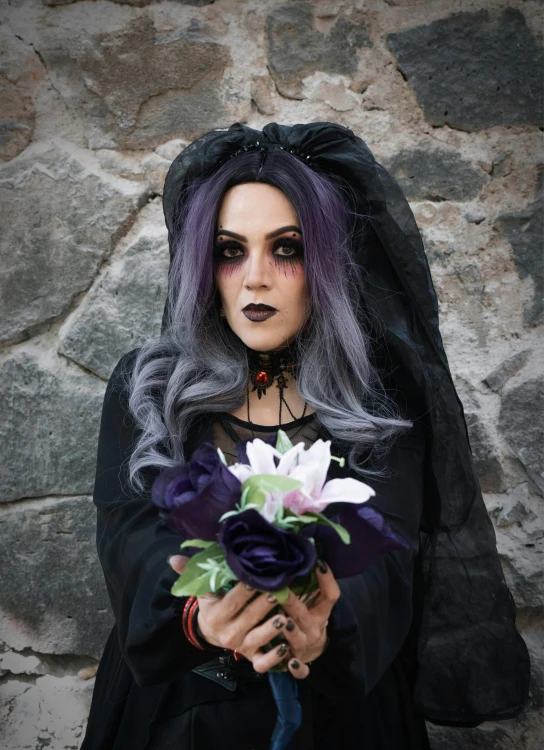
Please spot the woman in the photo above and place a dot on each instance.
(299, 296)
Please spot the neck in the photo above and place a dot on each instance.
(273, 398)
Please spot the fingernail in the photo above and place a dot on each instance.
(295, 664)
(277, 623)
(249, 588)
(282, 650)
(169, 558)
(322, 565)
(271, 598)
(290, 626)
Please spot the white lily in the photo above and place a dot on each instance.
(309, 466)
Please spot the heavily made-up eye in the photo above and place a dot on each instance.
(228, 251)
(284, 249)
(288, 247)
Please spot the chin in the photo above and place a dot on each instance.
(261, 342)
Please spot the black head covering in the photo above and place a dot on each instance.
(472, 663)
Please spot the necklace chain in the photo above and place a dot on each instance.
(264, 370)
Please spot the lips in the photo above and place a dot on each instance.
(258, 312)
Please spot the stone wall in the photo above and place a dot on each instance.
(96, 99)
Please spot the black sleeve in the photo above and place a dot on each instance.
(371, 620)
(133, 547)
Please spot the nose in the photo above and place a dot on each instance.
(257, 271)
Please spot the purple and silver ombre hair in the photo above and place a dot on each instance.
(199, 365)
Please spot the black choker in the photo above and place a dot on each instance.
(267, 367)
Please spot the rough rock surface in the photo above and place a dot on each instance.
(54, 410)
(47, 712)
(473, 70)
(486, 456)
(65, 608)
(426, 173)
(524, 231)
(521, 420)
(139, 85)
(17, 123)
(60, 216)
(296, 49)
(502, 374)
(97, 98)
(125, 308)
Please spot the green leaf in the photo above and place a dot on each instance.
(283, 444)
(282, 595)
(259, 485)
(340, 530)
(195, 581)
(200, 543)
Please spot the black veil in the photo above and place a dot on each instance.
(472, 664)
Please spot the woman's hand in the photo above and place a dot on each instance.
(235, 621)
(306, 628)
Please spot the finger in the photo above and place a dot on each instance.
(254, 613)
(262, 635)
(329, 591)
(236, 599)
(178, 563)
(298, 669)
(263, 662)
(310, 624)
(296, 638)
(235, 630)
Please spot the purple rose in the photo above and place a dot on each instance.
(262, 555)
(371, 537)
(195, 496)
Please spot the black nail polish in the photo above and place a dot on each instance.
(277, 623)
(290, 626)
(282, 650)
(322, 565)
(295, 664)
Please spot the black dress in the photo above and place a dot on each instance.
(154, 690)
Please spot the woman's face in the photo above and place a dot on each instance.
(259, 268)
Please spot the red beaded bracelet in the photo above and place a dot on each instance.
(190, 628)
(188, 623)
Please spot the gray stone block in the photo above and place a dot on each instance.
(473, 70)
(49, 428)
(17, 123)
(59, 215)
(485, 456)
(136, 86)
(52, 590)
(524, 231)
(436, 174)
(125, 309)
(506, 370)
(296, 50)
(521, 421)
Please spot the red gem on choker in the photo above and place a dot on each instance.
(262, 378)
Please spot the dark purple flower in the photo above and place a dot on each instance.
(262, 555)
(371, 537)
(195, 496)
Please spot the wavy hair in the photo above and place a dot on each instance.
(198, 365)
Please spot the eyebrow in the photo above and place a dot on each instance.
(269, 236)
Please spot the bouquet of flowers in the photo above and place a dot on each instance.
(266, 520)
